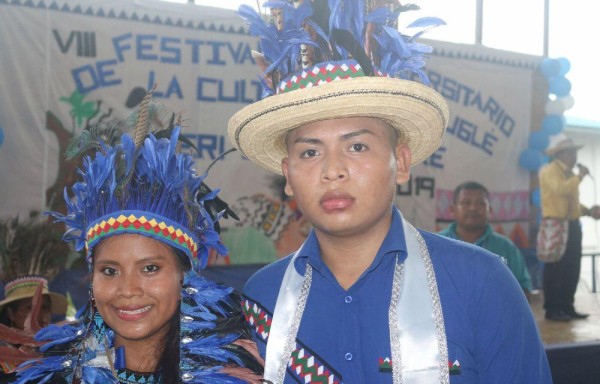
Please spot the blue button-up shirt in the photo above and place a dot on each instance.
(344, 334)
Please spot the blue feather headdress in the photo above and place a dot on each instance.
(143, 185)
(302, 34)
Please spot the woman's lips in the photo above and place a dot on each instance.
(132, 314)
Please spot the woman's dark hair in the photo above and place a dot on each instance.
(168, 362)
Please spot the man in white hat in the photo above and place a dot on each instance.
(559, 187)
(368, 298)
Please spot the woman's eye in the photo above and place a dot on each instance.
(150, 268)
(108, 271)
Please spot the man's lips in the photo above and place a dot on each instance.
(336, 200)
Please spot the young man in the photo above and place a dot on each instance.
(367, 298)
(471, 210)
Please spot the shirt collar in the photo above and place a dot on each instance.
(392, 244)
(479, 242)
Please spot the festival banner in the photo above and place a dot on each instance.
(65, 65)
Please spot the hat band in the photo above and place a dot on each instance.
(142, 223)
(26, 283)
(323, 73)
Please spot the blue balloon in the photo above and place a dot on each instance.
(559, 86)
(539, 140)
(550, 67)
(565, 66)
(1, 136)
(553, 124)
(531, 159)
(536, 197)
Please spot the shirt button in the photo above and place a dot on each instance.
(348, 299)
(348, 356)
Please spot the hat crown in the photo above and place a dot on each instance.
(560, 142)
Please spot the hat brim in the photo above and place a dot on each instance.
(58, 301)
(417, 112)
(554, 151)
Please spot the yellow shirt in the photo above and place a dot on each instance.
(559, 189)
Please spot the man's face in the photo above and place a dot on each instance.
(568, 156)
(471, 209)
(343, 173)
(18, 312)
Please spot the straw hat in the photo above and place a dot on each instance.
(418, 113)
(370, 77)
(559, 143)
(25, 287)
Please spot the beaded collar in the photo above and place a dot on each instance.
(127, 376)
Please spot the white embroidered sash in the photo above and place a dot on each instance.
(417, 333)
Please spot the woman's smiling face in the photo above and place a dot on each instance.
(136, 282)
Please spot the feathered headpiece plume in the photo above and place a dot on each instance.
(142, 184)
(302, 33)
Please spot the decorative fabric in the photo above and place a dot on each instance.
(127, 376)
(257, 317)
(25, 283)
(552, 239)
(324, 73)
(307, 367)
(143, 223)
(415, 318)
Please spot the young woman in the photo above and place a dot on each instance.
(143, 216)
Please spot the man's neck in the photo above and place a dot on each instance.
(349, 256)
(470, 236)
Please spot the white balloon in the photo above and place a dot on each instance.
(554, 107)
(568, 101)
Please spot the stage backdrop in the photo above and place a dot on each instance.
(67, 64)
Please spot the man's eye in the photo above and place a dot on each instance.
(150, 268)
(358, 147)
(308, 153)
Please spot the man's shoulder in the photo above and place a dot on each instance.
(267, 279)
(502, 239)
(456, 252)
(448, 231)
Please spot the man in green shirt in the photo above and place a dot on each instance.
(471, 209)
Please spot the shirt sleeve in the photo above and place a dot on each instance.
(553, 179)
(516, 263)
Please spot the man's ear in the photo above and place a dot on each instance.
(403, 159)
(453, 209)
(284, 168)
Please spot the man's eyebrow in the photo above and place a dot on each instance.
(357, 133)
(347, 136)
(306, 140)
